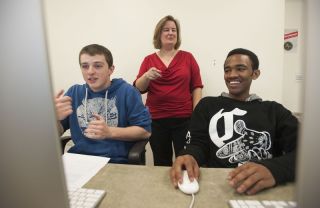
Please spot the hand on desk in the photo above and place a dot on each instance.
(248, 178)
(251, 178)
(189, 163)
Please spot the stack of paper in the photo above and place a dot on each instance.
(79, 169)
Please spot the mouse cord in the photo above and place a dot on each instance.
(192, 201)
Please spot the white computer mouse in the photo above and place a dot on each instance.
(187, 186)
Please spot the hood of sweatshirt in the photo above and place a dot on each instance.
(115, 84)
(251, 97)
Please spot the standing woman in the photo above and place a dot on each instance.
(173, 82)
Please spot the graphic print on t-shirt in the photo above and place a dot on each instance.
(249, 145)
(98, 106)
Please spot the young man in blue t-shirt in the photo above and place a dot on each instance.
(105, 116)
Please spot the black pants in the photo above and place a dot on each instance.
(165, 132)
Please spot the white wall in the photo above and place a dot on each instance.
(210, 28)
(293, 72)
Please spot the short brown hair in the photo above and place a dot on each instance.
(253, 57)
(95, 49)
(157, 32)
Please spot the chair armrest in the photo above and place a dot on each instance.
(136, 154)
(64, 140)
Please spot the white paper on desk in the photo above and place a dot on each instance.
(79, 169)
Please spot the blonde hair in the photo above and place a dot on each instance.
(157, 32)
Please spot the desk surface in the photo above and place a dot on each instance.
(145, 186)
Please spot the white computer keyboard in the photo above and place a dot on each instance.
(85, 198)
(262, 204)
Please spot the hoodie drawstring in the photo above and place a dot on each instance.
(105, 105)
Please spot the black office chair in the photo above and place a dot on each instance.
(136, 156)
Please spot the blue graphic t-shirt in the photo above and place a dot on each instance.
(120, 105)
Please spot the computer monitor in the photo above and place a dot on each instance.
(308, 171)
(30, 159)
